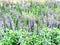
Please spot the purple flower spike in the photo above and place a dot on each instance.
(28, 5)
(59, 19)
(31, 25)
(1, 22)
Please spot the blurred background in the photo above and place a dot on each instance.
(29, 22)
(46, 13)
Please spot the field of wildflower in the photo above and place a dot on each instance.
(29, 22)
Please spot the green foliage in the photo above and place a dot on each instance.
(45, 37)
(10, 38)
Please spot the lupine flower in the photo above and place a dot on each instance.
(50, 0)
(58, 24)
(28, 5)
(7, 1)
(21, 23)
(4, 24)
(22, 4)
(51, 12)
(58, 3)
(58, 18)
(18, 16)
(11, 11)
(9, 22)
(17, 20)
(31, 24)
(51, 21)
(1, 22)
